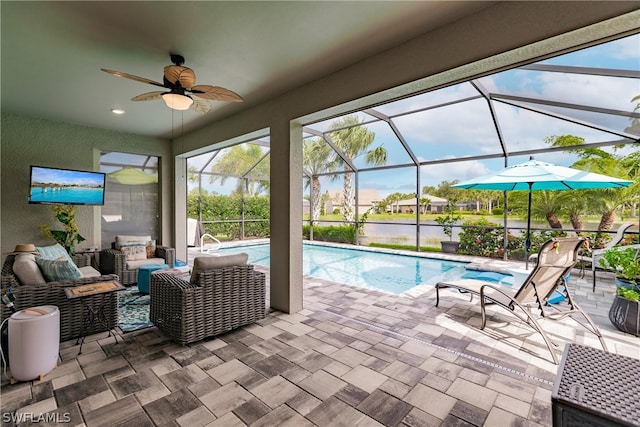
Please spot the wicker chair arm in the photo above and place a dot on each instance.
(72, 312)
(9, 281)
(168, 254)
(112, 261)
(82, 260)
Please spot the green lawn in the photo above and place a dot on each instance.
(409, 217)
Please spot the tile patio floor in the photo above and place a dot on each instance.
(351, 357)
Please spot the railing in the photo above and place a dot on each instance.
(208, 250)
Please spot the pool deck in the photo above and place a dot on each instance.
(351, 357)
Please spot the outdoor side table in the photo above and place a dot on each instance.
(92, 314)
(596, 388)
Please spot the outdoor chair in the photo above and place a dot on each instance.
(555, 260)
(72, 311)
(596, 254)
(223, 294)
(128, 253)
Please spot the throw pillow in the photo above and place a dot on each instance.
(53, 252)
(27, 271)
(151, 249)
(134, 251)
(204, 263)
(121, 240)
(56, 270)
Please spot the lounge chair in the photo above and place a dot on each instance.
(596, 254)
(555, 260)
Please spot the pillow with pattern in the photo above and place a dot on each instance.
(151, 249)
(55, 270)
(134, 251)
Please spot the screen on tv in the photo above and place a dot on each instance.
(66, 186)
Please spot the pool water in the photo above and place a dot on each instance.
(374, 270)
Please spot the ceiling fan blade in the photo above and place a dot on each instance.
(148, 96)
(176, 73)
(132, 77)
(216, 93)
(200, 105)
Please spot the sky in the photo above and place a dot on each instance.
(66, 176)
(467, 129)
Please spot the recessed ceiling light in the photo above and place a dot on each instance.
(117, 111)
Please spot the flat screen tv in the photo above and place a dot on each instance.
(56, 186)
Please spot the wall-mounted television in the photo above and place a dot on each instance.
(66, 186)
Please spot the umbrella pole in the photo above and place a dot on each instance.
(527, 242)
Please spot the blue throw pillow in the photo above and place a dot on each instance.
(53, 252)
(55, 270)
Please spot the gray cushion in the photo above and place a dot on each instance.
(89, 271)
(28, 272)
(202, 263)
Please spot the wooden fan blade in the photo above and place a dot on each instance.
(132, 77)
(148, 96)
(216, 93)
(200, 105)
(176, 73)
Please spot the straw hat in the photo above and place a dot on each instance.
(27, 248)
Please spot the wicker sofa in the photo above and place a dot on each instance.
(72, 312)
(114, 261)
(214, 301)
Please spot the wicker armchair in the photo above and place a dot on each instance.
(222, 299)
(113, 261)
(72, 312)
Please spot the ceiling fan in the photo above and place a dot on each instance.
(183, 91)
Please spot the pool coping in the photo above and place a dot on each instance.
(472, 262)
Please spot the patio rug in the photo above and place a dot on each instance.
(133, 310)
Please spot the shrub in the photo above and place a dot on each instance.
(331, 233)
(216, 207)
(481, 238)
(497, 211)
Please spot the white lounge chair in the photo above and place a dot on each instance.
(555, 260)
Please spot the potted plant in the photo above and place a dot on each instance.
(69, 236)
(625, 309)
(447, 221)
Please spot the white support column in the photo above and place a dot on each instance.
(180, 208)
(286, 217)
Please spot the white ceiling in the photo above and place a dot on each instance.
(52, 52)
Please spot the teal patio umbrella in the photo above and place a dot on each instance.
(537, 175)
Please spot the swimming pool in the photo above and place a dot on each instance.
(392, 273)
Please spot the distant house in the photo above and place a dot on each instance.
(436, 205)
(367, 198)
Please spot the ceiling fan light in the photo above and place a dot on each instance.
(177, 101)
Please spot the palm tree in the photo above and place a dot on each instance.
(394, 198)
(353, 141)
(316, 158)
(241, 160)
(574, 206)
(424, 203)
(594, 159)
(548, 204)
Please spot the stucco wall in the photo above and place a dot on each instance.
(28, 141)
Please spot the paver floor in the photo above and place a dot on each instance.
(351, 357)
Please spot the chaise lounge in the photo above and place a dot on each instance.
(555, 260)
